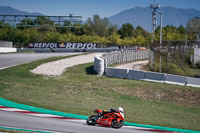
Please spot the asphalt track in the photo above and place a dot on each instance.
(8, 60)
(22, 121)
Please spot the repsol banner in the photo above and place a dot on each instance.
(68, 45)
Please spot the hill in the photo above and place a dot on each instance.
(6, 10)
(143, 16)
(136, 16)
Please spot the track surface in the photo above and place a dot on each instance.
(7, 60)
(22, 121)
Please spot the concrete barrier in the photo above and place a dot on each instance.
(194, 82)
(136, 75)
(175, 79)
(116, 73)
(7, 50)
(155, 77)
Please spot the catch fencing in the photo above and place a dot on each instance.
(126, 56)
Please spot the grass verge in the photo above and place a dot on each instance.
(80, 91)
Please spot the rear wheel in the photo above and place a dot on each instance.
(92, 120)
(116, 124)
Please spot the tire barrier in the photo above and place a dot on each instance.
(175, 79)
(99, 64)
(136, 75)
(155, 77)
(116, 73)
(194, 82)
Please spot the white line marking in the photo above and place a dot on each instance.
(12, 109)
(44, 115)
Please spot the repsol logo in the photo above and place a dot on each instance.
(80, 45)
(68, 45)
(43, 45)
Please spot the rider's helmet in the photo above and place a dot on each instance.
(120, 109)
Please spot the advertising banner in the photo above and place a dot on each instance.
(67, 45)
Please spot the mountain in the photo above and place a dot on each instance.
(143, 16)
(6, 10)
(136, 16)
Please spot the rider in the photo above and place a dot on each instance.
(119, 110)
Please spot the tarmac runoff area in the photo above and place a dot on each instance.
(56, 68)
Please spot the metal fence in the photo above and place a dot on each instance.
(126, 56)
(5, 44)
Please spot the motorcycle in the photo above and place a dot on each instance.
(111, 119)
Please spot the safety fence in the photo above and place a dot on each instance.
(126, 56)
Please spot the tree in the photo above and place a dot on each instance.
(140, 31)
(126, 30)
(181, 29)
(42, 20)
(77, 29)
(114, 39)
(111, 30)
(96, 26)
(193, 25)
(26, 22)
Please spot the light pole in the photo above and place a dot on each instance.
(154, 6)
(160, 40)
(154, 21)
(70, 16)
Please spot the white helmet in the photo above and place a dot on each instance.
(121, 109)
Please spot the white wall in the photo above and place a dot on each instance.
(196, 55)
(7, 50)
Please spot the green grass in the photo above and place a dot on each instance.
(80, 91)
(13, 131)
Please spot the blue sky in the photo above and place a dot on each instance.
(87, 8)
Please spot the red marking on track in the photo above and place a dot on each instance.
(27, 112)
(5, 107)
(64, 118)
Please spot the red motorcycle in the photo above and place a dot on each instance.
(114, 119)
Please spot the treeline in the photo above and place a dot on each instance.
(95, 30)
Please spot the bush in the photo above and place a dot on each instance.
(198, 65)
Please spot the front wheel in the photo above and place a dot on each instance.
(116, 124)
(92, 120)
